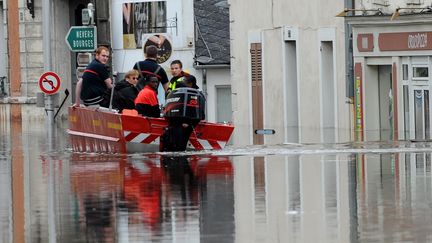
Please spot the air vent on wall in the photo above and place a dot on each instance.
(380, 2)
(414, 2)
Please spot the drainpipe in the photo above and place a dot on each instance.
(349, 57)
(204, 86)
(14, 48)
(350, 4)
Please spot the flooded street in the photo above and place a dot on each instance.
(366, 192)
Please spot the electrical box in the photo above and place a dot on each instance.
(86, 16)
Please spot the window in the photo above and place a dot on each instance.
(420, 73)
(142, 18)
(150, 17)
(223, 104)
(404, 71)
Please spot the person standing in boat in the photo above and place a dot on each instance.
(125, 91)
(177, 73)
(94, 88)
(179, 129)
(146, 103)
(149, 67)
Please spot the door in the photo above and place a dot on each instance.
(420, 122)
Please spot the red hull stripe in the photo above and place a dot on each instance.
(196, 144)
(131, 136)
(150, 138)
(214, 144)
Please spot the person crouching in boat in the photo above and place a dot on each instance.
(94, 88)
(146, 103)
(125, 91)
(184, 109)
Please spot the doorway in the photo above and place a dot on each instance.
(419, 98)
(378, 103)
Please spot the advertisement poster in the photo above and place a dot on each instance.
(142, 18)
(358, 110)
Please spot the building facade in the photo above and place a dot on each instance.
(29, 50)
(392, 67)
(288, 72)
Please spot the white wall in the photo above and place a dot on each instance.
(309, 17)
(124, 59)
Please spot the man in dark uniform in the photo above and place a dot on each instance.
(95, 85)
(150, 67)
(177, 73)
(179, 129)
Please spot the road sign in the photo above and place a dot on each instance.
(49, 82)
(84, 58)
(80, 72)
(81, 38)
(85, 16)
(265, 132)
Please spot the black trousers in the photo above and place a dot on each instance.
(176, 136)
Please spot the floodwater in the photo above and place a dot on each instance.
(359, 192)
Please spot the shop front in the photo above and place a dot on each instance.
(393, 79)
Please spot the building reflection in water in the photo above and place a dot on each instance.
(68, 197)
(333, 198)
(154, 198)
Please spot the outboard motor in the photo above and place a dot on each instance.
(185, 103)
(184, 109)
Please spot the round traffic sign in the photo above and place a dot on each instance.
(49, 82)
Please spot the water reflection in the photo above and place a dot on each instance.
(154, 198)
(51, 195)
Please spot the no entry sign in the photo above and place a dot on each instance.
(49, 82)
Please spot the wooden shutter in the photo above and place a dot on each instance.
(257, 94)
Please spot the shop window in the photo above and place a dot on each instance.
(420, 73)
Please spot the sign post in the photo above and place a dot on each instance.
(82, 38)
(49, 83)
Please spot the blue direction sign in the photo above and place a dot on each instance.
(81, 38)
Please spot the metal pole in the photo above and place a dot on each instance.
(49, 107)
(46, 34)
(204, 88)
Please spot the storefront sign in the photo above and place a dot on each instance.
(405, 41)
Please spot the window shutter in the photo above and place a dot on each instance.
(257, 95)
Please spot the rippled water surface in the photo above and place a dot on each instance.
(357, 192)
